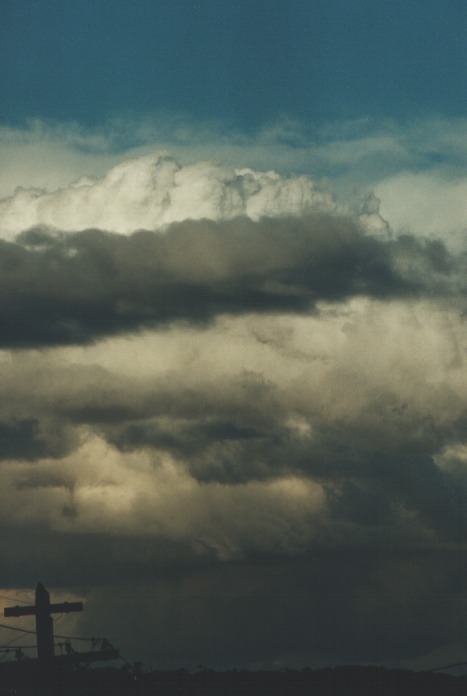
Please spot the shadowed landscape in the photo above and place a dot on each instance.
(69, 672)
(337, 681)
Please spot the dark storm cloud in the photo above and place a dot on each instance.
(21, 440)
(81, 559)
(366, 486)
(186, 439)
(157, 602)
(375, 469)
(68, 289)
(374, 458)
(275, 489)
(374, 461)
(374, 498)
(31, 439)
(334, 605)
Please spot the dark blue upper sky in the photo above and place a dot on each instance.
(246, 62)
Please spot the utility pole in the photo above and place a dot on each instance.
(42, 610)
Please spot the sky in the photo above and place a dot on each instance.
(233, 256)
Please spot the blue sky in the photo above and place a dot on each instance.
(245, 63)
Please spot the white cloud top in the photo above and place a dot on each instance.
(153, 191)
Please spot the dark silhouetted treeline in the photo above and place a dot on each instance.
(338, 681)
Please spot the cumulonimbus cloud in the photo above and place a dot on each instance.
(263, 384)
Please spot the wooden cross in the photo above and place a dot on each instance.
(44, 622)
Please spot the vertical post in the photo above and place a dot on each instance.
(42, 610)
(44, 624)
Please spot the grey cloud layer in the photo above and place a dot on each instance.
(75, 288)
(371, 416)
(313, 482)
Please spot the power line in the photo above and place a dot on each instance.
(14, 599)
(13, 640)
(13, 628)
(24, 630)
(76, 638)
(456, 664)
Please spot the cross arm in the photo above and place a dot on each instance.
(28, 611)
(19, 611)
(66, 607)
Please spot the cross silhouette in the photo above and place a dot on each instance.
(42, 610)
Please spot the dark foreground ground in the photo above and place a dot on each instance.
(339, 681)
